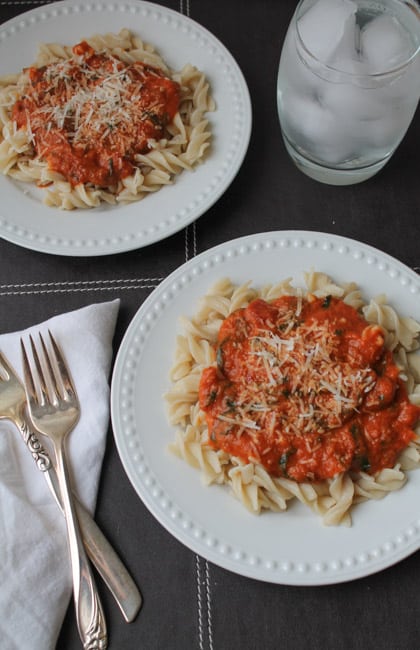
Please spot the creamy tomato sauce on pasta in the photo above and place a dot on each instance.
(89, 116)
(305, 387)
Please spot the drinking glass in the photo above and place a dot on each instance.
(348, 85)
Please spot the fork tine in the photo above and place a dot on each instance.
(43, 388)
(50, 368)
(62, 367)
(27, 374)
(5, 366)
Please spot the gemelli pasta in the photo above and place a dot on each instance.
(284, 393)
(104, 121)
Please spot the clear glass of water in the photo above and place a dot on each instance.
(348, 85)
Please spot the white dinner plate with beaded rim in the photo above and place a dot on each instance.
(25, 221)
(291, 547)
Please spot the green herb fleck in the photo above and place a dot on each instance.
(284, 459)
(212, 397)
(361, 462)
(355, 431)
(219, 358)
(327, 301)
(231, 404)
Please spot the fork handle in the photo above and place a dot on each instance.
(108, 564)
(103, 556)
(89, 613)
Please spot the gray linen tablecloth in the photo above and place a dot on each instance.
(190, 603)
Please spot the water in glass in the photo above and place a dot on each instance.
(348, 85)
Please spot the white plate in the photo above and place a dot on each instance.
(291, 547)
(111, 229)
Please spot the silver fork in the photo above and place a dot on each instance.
(54, 410)
(100, 551)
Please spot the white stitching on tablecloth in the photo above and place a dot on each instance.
(203, 603)
(187, 7)
(78, 282)
(38, 288)
(186, 244)
(76, 290)
(193, 227)
(199, 602)
(208, 596)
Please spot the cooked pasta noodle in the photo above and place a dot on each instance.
(333, 498)
(182, 146)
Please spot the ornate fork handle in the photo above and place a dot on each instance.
(100, 551)
(39, 454)
(89, 614)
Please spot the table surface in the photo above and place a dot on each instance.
(189, 602)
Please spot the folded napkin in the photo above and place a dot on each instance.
(35, 574)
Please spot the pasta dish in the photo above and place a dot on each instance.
(287, 393)
(105, 120)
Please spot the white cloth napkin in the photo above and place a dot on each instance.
(35, 576)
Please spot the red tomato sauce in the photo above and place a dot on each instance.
(306, 388)
(90, 115)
